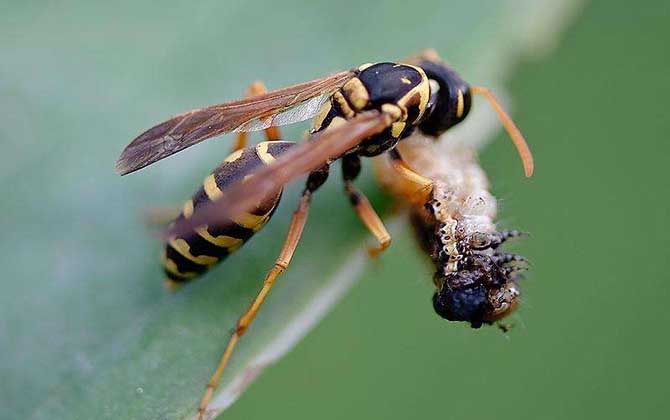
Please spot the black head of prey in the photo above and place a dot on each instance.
(481, 286)
(480, 292)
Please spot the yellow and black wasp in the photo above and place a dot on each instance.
(365, 112)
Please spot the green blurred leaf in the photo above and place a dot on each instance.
(86, 329)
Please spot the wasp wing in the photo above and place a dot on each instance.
(278, 107)
(299, 160)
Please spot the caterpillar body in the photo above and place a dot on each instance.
(475, 280)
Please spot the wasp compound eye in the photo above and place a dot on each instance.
(467, 304)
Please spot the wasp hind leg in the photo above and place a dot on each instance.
(351, 167)
(314, 181)
(271, 133)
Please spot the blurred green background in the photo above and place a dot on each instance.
(87, 332)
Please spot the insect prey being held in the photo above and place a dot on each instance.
(363, 112)
(475, 280)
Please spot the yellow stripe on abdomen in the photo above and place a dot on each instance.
(222, 241)
(182, 247)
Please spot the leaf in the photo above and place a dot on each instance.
(86, 329)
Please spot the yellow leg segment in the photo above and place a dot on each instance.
(290, 244)
(369, 217)
(424, 185)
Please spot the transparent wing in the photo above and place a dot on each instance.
(302, 112)
(299, 160)
(278, 107)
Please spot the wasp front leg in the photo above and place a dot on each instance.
(423, 185)
(351, 167)
(271, 133)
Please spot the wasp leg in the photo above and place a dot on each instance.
(424, 186)
(290, 244)
(271, 133)
(351, 167)
(315, 180)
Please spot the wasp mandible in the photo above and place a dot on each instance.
(363, 112)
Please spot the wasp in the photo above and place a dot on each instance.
(363, 112)
(475, 280)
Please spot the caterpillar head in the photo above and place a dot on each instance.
(483, 286)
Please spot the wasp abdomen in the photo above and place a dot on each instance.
(187, 257)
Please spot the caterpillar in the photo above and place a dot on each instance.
(453, 216)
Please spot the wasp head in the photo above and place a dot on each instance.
(450, 101)
(450, 97)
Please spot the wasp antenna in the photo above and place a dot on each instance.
(511, 128)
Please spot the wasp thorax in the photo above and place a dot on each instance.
(401, 91)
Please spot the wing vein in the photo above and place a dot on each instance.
(192, 127)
